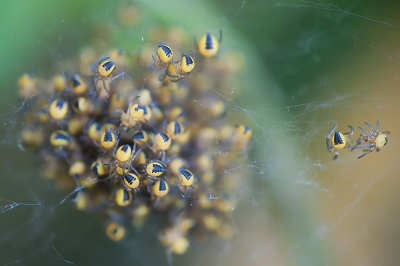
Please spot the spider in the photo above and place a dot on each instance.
(178, 70)
(163, 56)
(124, 156)
(103, 69)
(374, 139)
(135, 115)
(335, 140)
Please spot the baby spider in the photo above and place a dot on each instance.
(158, 187)
(373, 139)
(124, 156)
(335, 140)
(208, 44)
(161, 143)
(154, 168)
(163, 56)
(135, 114)
(186, 180)
(178, 70)
(103, 69)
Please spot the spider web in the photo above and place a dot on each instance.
(309, 65)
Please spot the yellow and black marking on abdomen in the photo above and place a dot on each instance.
(164, 137)
(129, 178)
(157, 168)
(337, 139)
(108, 65)
(108, 137)
(188, 60)
(209, 42)
(162, 186)
(186, 174)
(167, 51)
(139, 136)
(127, 196)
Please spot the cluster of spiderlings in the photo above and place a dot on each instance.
(131, 148)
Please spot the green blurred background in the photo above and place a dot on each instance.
(309, 65)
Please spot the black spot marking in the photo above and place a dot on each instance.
(95, 170)
(189, 60)
(61, 136)
(246, 128)
(108, 65)
(162, 186)
(75, 81)
(60, 104)
(186, 174)
(157, 168)
(177, 128)
(126, 195)
(209, 42)
(144, 109)
(44, 111)
(125, 148)
(108, 136)
(138, 136)
(385, 141)
(164, 136)
(98, 126)
(337, 139)
(167, 51)
(77, 104)
(115, 231)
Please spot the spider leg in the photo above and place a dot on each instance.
(194, 56)
(134, 170)
(104, 84)
(351, 132)
(336, 155)
(329, 138)
(385, 132)
(367, 133)
(93, 67)
(96, 81)
(220, 35)
(328, 143)
(117, 111)
(156, 203)
(368, 151)
(175, 66)
(134, 156)
(164, 43)
(365, 146)
(155, 142)
(371, 127)
(154, 68)
(332, 130)
(118, 76)
(178, 79)
(377, 126)
(102, 58)
(165, 126)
